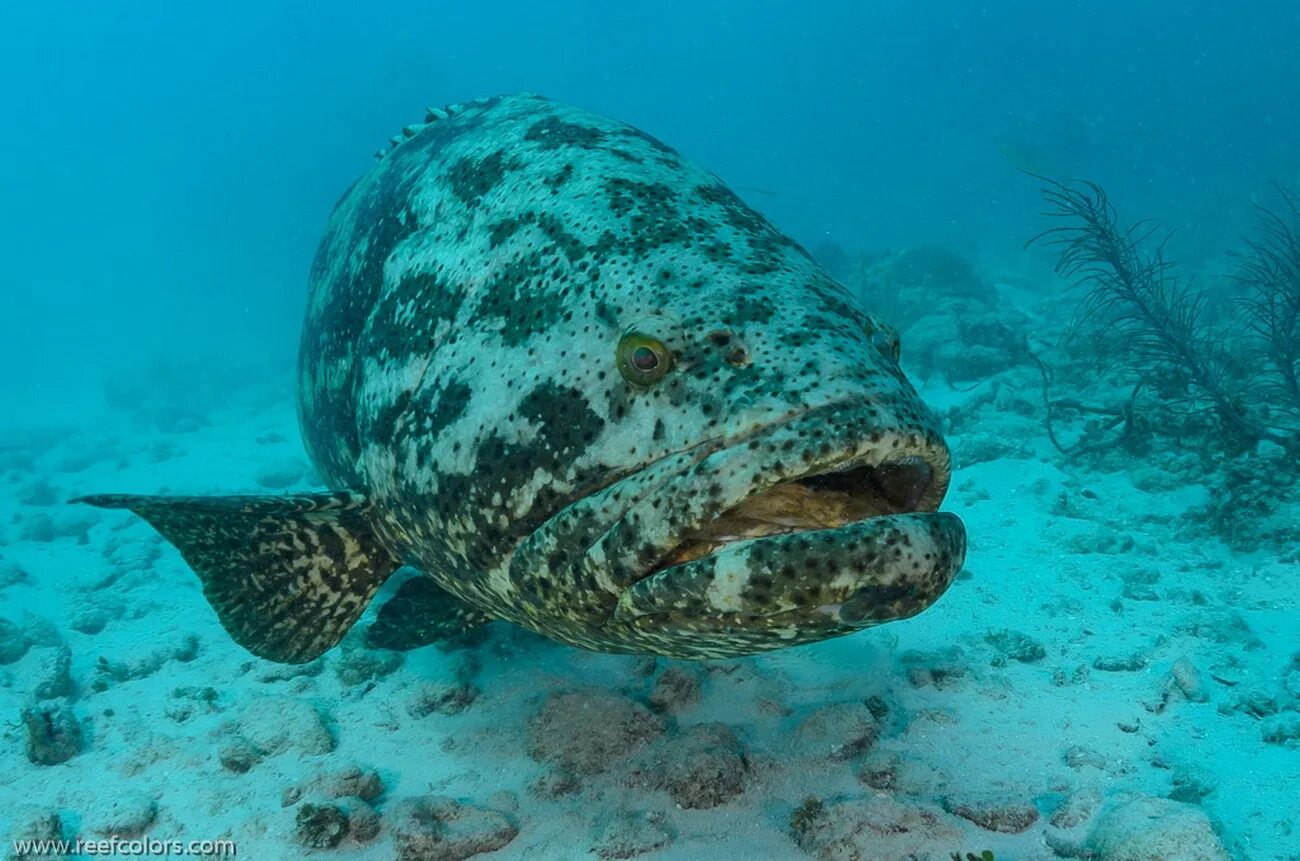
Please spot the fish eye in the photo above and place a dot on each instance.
(642, 360)
(884, 338)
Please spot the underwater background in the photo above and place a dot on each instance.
(1115, 675)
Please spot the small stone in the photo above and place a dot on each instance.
(1079, 757)
(13, 642)
(805, 821)
(1282, 730)
(67, 522)
(38, 528)
(880, 773)
(585, 733)
(54, 678)
(675, 691)
(53, 734)
(186, 650)
(645, 665)
(702, 769)
(1120, 663)
(358, 665)
(39, 492)
(120, 814)
(994, 815)
(629, 834)
(1222, 627)
(876, 826)
(363, 821)
(1186, 679)
(287, 672)
(1291, 679)
(1153, 829)
(1190, 785)
(356, 781)
(282, 473)
(11, 575)
(90, 620)
(446, 698)
(839, 731)
(126, 553)
(897, 775)
(553, 784)
(945, 668)
(504, 800)
(272, 725)
(442, 829)
(1254, 703)
(42, 632)
(320, 826)
(1016, 645)
(1139, 583)
(1065, 678)
(238, 756)
(1077, 808)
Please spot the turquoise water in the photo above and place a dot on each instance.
(1114, 671)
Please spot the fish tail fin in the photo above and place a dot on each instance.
(287, 575)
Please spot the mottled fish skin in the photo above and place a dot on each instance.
(458, 364)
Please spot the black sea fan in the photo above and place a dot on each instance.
(1155, 321)
(1269, 275)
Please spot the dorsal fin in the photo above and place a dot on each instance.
(433, 115)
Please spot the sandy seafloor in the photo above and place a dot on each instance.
(1096, 684)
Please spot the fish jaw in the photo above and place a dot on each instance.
(813, 527)
(810, 585)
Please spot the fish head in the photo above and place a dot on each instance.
(760, 471)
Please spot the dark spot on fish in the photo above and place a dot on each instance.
(755, 309)
(448, 405)
(519, 296)
(554, 133)
(667, 155)
(472, 178)
(557, 181)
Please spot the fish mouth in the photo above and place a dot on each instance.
(811, 528)
(845, 494)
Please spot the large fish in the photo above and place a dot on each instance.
(580, 386)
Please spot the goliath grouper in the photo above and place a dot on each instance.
(580, 386)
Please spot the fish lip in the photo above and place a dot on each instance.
(683, 597)
(919, 443)
(868, 445)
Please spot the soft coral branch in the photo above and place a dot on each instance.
(1269, 272)
(1134, 293)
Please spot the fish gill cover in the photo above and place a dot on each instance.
(691, 383)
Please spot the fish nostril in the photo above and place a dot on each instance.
(737, 355)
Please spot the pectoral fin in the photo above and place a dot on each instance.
(287, 575)
(422, 613)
